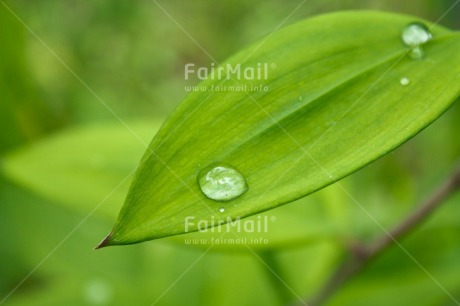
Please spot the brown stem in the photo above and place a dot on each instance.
(364, 254)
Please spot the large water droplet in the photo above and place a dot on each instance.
(221, 182)
(416, 34)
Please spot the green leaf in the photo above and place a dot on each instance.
(334, 104)
(82, 167)
(23, 113)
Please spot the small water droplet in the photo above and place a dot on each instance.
(221, 209)
(405, 81)
(221, 182)
(416, 34)
(416, 53)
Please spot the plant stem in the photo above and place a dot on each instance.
(364, 254)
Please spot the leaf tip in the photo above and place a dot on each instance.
(105, 242)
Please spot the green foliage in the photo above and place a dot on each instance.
(334, 104)
(132, 56)
(78, 169)
(22, 112)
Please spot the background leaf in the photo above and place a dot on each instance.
(23, 114)
(83, 166)
(335, 103)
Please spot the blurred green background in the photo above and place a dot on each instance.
(66, 162)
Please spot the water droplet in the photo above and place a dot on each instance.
(221, 182)
(416, 34)
(416, 53)
(221, 209)
(405, 81)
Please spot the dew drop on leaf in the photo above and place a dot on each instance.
(221, 182)
(416, 34)
(404, 81)
(416, 53)
(221, 209)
